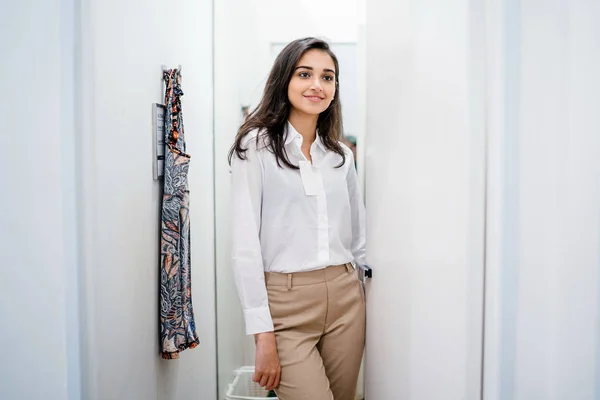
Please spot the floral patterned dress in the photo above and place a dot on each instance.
(177, 327)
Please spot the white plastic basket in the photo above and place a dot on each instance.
(243, 388)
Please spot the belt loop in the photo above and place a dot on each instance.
(349, 267)
(289, 287)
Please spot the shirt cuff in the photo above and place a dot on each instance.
(258, 320)
(360, 262)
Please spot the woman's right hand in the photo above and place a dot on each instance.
(267, 370)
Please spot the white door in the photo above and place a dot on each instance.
(425, 171)
(459, 90)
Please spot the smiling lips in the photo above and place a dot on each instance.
(315, 99)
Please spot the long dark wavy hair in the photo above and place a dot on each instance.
(271, 115)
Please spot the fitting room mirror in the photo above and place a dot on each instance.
(247, 38)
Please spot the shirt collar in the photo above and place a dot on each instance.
(291, 133)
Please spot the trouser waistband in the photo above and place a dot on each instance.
(306, 277)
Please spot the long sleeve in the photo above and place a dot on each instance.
(357, 210)
(246, 198)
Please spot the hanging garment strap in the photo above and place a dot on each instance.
(174, 131)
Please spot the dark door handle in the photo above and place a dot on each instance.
(365, 272)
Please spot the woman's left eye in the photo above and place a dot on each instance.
(328, 78)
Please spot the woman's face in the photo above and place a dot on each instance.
(312, 86)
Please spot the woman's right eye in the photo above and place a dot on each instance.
(303, 74)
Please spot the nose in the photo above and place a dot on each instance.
(316, 84)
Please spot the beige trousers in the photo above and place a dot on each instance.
(319, 319)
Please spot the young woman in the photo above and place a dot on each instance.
(298, 231)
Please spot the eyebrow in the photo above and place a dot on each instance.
(312, 69)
